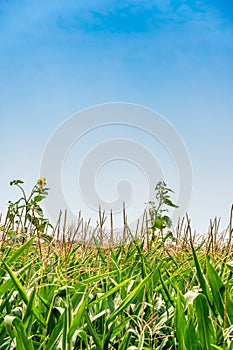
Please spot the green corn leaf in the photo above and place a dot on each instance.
(129, 299)
(18, 330)
(17, 283)
(83, 335)
(76, 298)
(228, 305)
(168, 294)
(29, 305)
(77, 320)
(64, 291)
(118, 329)
(180, 322)
(201, 277)
(190, 335)
(20, 251)
(222, 297)
(111, 291)
(124, 345)
(114, 331)
(6, 302)
(93, 333)
(96, 278)
(100, 251)
(216, 286)
(107, 336)
(8, 325)
(44, 301)
(55, 336)
(8, 283)
(21, 336)
(67, 343)
(23, 293)
(205, 326)
(17, 253)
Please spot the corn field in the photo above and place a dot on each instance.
(64, 291)
(173, 294)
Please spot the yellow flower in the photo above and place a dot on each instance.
(41, 182)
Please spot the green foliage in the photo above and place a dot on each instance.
(25, 216)
(127, 297)
(116, 303)
(159, 220)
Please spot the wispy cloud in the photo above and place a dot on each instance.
(130, 16)
(157, 33)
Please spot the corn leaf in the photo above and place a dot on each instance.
(205, 326)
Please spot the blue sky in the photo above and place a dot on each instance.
(175, 57)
